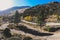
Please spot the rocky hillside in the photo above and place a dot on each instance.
(50, 8)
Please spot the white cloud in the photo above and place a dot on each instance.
(4, 4)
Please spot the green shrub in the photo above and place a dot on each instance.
(47, 28)
(50, 29)
(7, 33)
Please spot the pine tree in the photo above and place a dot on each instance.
(41, 17)
(17, 18)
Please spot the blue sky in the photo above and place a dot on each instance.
(5, 4)
(31, 2)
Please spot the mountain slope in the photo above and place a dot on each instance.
(19, 10)
(12, 9)
(49, 8)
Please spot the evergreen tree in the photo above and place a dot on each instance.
(17, 18)
(41, 17)
(7, 33)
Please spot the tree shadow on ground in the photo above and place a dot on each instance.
(31, 31)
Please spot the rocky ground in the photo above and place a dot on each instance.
(55, 36)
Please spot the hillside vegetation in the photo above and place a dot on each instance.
(45, 12)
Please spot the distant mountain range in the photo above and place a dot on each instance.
(7, 11)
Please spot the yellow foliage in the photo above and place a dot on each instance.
(59, 16)
(28, 18)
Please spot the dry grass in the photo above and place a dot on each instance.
(0, 24)
(11, 26)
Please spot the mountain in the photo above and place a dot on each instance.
(50, 8)
(19, 10)
(7, 11)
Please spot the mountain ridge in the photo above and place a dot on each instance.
(52, 6)
(7, 11)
